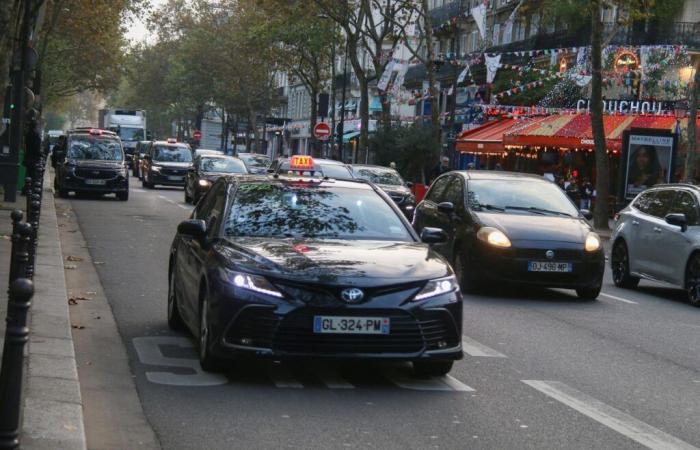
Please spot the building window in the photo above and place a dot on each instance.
(473, 40)
(534, 24)
(497, 34)
(463, 42)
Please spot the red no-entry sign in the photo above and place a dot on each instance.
(197, 135)
(322, 131)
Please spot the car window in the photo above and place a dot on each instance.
(685, 204)
(94, 148)
(660, 202)
(379, 175)
(435, 194)
(216, 213)
(454, 192)
(643, 202)
(164, 153)
(205, 206)
(222, 165)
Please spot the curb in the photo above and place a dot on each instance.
(53, 410)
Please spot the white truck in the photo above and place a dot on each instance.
(129, 124)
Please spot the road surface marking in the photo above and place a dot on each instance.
(612, 418)
(149, 352)
(163, 197)
(138, 189)
(619, 299)
(282, 378)
(331, 378)
(405, 381)
(474, 348)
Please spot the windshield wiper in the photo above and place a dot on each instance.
(537, 210)
(491, 207)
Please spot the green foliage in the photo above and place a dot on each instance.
(411, 147)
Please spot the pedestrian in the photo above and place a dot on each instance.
(586, 194)
(572, 189)
(58, 150)
(441, 168)
(32, 147)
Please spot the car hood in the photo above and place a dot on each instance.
(92, 164)
(394, 189)
(335, 262)
(520, 227)
(213, 176)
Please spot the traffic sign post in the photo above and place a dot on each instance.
(322, 131)
(197, 135)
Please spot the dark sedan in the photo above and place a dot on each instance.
(206, 170)
(300, 267)
(166, 163)
(513, 228)
(391, 182)
(256, 164)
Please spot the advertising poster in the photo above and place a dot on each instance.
(647, 160)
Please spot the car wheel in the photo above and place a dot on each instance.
(589, 293)
(432, 368)
(692, 280)
(620, 264)
(175, 321)
(188, 199)
(208, 362)
(465, 277)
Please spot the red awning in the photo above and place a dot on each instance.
(487, 138)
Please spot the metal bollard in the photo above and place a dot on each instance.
(17, 215)
(21, 240)
(16, 336)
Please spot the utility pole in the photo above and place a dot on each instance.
(341, 124)
(332, 99)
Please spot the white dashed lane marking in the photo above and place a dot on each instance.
(474, 348)
(281, 377)
(615, 419)
(616, 298)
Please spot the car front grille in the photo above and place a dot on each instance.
(101, 174)
(173, 172)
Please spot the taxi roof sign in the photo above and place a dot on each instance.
(301, 163)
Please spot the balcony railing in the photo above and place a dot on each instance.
(446, 12)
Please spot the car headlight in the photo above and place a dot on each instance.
(592, 242)
(155, 168)
(255, 283)
(494, 237)
(204, 183)
(122, 171)
(437, 287)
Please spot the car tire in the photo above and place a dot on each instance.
(468, 283)
(123, 196)
(209, 362)
(590, 293)
(175, 321)
(432, 368)
(692, 280)
(620, 265)
(188, 199)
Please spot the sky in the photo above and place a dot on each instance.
(137, 31)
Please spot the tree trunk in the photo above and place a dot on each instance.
(364, 121)
(430, 68)
(8, 18)
(256, 135)
(313, 118)
(386, 110)
(692, 129)
(602, 184)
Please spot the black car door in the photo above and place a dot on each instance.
(191, 178)
(452, 223)
(427, 214)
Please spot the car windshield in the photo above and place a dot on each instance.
(277, 211)
(131, 134)
(223, 165)
(172, 154)
(255, 161)
(379, 175)
(95, 148)
(335, 171)
(518, 197)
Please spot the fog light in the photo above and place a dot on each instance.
(442, 344)
(246, 341)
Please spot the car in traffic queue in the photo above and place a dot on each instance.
(205, 170)
(314, 166)
(290, 267)
(137, 159)
(166, 163)
(513, 228)
(255, 163)
(657, 237)
(205, 151)
(391, 182)
(94, 163)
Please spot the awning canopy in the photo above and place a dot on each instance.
(347, 137)
(487, 138)
(574, 130)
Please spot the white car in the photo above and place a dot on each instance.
(657, 237)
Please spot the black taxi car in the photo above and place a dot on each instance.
(513, 228)
(313, 166)
(94, 163)
(166, 163)
(205, 170)
(391, 182)
(282, 266)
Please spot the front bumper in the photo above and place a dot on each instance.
(167, 180)
(511, 265)
(249, 324)
(76, 184)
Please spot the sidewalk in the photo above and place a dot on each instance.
(53, 414)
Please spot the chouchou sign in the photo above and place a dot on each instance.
(626, 106)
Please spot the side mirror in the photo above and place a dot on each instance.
(586, 214)
(192, 228)
(679, 220)
(433, 235)
(446, 207)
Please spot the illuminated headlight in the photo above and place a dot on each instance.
(592, 242)
(122, 171)
(493, 237)
(204, 183)
(254, 283)
(155, 168)
(437, 287)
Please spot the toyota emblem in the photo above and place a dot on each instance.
(549, 254)
(352, 295)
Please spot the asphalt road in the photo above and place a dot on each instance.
(542, 369)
